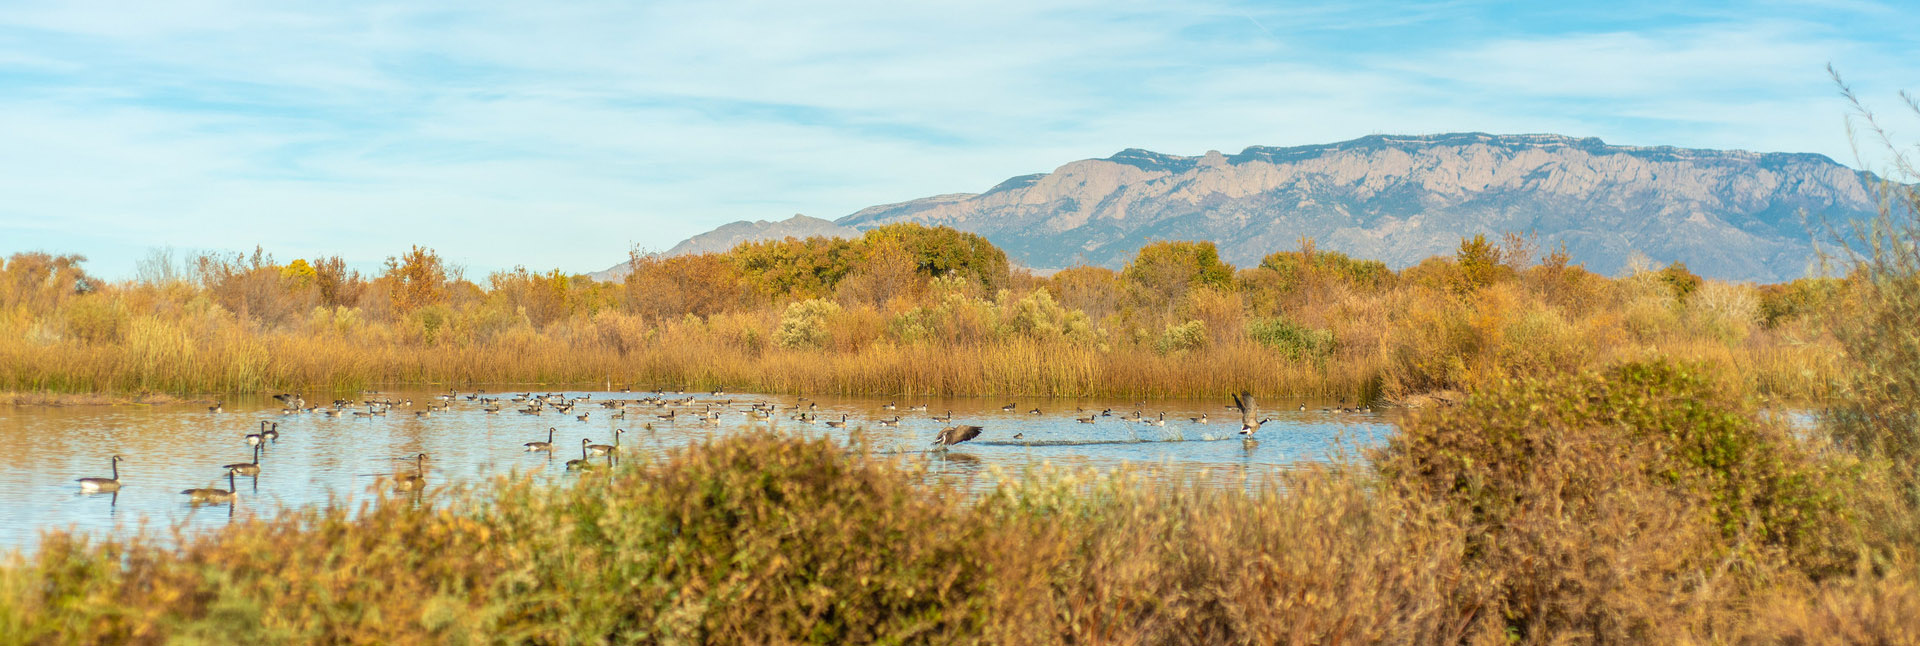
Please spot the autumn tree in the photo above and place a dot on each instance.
(415, 280)
(1164, 272)
(887, 270)
(699, 284)
(794, 267)
(1309, 268)
(39, 281)
(939, 252)
(542, 298)
(253, 287)
(1098, 291)
(1478, 262)
(339, 287)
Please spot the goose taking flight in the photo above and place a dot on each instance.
(952, 435)
(103, 485)
(1249, 414)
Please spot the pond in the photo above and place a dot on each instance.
(322, 459)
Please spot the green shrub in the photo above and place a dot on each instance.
(1038, 317)
(1602, 500)
(1789, 301)
(95, 319)
(1679, 280)
(1296, 341)
(1191, 335)
(804, 324)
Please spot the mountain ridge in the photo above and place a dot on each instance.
(1730, 214)
(1402, 198)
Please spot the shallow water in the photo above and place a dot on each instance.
(317, 458)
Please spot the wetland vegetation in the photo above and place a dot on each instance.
(1598, 462)
(905, 310)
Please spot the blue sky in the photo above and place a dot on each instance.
(560, 134)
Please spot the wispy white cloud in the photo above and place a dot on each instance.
(555, 135)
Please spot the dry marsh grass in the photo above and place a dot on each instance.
(1176, 322)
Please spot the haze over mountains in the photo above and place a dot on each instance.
(1727, 214)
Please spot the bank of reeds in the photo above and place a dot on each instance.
(1649, 504)
(1082, 332)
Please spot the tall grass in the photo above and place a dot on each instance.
(1087, 332)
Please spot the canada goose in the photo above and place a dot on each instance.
(270, 430)
(1249, 414)
(541, 446)
(246, 468)
(918, 407)
(605, 449)
(1019, 436)
(669, 416)
(1035, 411)
(210, 495)
(952, 435)
(217, 407)
(1085, 420)
(890, 422)
(423, 413)
(1303, 408)
(1202, 419)
(1009, 408)
(412, 481)
(888, 406)
(583, 416)
(331, 412)
(581, 464)
(944, 418)
(1159, 421)
(103, 485)
(840, 424)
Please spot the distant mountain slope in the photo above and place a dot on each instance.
(1400, 199)
(731, 235)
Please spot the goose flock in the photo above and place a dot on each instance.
(663, 407)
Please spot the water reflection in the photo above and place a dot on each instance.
(317, 458)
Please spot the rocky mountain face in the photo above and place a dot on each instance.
(1727, 214)
(731, 235)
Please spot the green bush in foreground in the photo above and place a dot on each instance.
(1611, 503)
